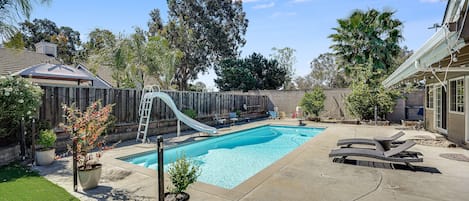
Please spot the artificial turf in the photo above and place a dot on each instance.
(20, 183)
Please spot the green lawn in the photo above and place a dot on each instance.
(20, 183)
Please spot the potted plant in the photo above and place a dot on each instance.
(86, 129)
(45, 154)
(182, 173)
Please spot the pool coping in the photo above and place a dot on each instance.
(235, 193)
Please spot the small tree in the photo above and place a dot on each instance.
(183, 173)
(313, 102)
(86, 128)
(363, 99)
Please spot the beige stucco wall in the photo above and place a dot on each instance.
(456, 128)
(429, 120)
(456, 124)
(287, 101)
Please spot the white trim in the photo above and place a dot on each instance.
(434, 50)
(449, 95)
(466, 111)
(449, 70)
(435, 88)
(456, 78)
(426, 95)
(439, 129)
(458, 113)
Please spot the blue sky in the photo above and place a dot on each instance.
(303, 25)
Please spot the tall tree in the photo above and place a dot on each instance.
(10, 12)
(325, 72)
(67, 39)
(155, 25)
(198, 86)
(206, 31)
(253, 72)
(115, 57)
(161, 60)
(68, 42)
(38, 30)
(304, 82)
(370, 37)
(133, 58)
(16, 41)
(403, 55)
(367, 46)
(99, 39)
(286, 59)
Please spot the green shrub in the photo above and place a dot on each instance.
(313, 102)
(363, 99)
(19, 98)
(190, 113)
(47, 138)
(183, 173)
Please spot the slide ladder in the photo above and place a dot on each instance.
(144, 111)
(148, 94)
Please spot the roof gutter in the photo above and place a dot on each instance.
(439, 46)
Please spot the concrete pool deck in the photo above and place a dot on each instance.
(307, 173)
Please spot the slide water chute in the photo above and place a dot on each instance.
(145, 113)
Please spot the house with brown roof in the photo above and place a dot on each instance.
(443, 64)
(43, 67)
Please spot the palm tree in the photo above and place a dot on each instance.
(10, 12)
(367, 43)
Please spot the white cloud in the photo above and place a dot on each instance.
(431, 1)
(283, 14)
(263, 6)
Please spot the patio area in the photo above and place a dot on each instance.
(307, 173)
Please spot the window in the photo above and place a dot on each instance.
(429, 93)
(457, 95)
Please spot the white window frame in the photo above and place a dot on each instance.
(450, 95)
(435, 113)
(433, 96)
(466, 104)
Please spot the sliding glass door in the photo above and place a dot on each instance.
(441, 108)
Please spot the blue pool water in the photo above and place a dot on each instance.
(228, 160)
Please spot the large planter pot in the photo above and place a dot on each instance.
(89, 179)
(45, 157)
(176, 196)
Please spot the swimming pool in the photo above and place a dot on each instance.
(228, 160)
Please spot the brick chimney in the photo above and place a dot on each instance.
(49, 49)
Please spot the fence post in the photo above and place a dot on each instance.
(179, 128)
(159, 142)
(22, 140)
(33, 140)
(376, 115)
(74, 161)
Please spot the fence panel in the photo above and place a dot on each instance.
(205, 104)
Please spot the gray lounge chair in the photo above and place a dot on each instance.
(398, 154)
(386, 142)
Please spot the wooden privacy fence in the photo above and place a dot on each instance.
(206, 104)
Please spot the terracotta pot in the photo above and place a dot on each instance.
(89, 179)
(45, 157)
